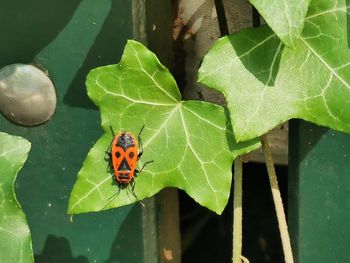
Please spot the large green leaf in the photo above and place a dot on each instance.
(285, 17)
(190, 142)
(15, 241)
(266, 84)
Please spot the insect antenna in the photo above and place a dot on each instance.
(140, 142)
(139, 135)
(112, 131)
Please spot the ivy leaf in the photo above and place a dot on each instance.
(266, 84)
(286, 18)
(190, 142)
(15, 240)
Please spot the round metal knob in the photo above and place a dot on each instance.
(27, 95)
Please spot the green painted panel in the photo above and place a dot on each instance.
(319, 193)
(68, 38)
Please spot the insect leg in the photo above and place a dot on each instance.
(108, 156)
(132, 184)
(110, 199)
(133, 193)
(143, 166)
(110, 146)
(109, 159)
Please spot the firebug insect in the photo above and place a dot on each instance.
(124, 152)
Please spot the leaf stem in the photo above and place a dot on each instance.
(237, 212)
(276, 194)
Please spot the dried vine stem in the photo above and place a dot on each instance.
(282, 222)
(237, 212)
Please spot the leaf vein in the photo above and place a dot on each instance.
(326, 64)
(196, 156)
(130, 99)
(151, 76)
(145, 144)
(91, 191)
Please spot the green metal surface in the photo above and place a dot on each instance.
(319, 194)
(68, 38)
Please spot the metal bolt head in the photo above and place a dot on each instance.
(27, 95)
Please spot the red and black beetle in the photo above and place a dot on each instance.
(124, 152)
